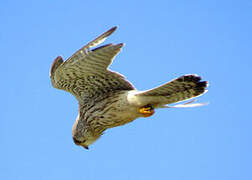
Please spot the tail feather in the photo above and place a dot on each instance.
(180, 89)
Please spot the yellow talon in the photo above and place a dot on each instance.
(146, 111)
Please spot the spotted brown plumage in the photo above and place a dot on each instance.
(106, 99)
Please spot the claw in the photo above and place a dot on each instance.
(146, 111)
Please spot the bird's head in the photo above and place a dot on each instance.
(83, 135)
(84, 141)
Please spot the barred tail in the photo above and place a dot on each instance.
(180, 89)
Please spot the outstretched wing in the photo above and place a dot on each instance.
(85, 73)
(180, 89)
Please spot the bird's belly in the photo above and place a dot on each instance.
(118, 113)
(121, 115)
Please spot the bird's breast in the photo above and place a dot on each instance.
(116, 111)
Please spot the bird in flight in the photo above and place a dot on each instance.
(106, 99)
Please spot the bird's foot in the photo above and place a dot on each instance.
(146, 111)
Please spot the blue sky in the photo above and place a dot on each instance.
(164, 39)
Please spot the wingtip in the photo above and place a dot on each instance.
(121, 44)
(189, 104)
(113, 28)
(56, 62)
(110, 31)
(100, 39)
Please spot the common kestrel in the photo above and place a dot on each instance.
(106, 99)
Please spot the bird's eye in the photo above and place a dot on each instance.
(77, 141)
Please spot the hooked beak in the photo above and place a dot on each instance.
(79, 143)
(86, 147)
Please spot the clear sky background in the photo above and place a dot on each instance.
(164, 40)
